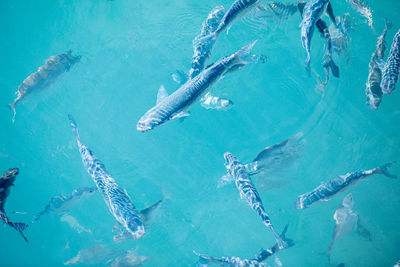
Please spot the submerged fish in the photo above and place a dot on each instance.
(96, 254)
(202, 46)
(177, 104)
(117, 200)
(61, 204)
(247, 191)
(373, 90)
(341, 36)
(361, 7)
(391, 71)
(273, 159)
(74, 224)
(275, 10)
(205, 260)
(346, 220)
(6, 181)
(312, 12)
(45, 75)
(130, 259)
(209, 101)
(329, 189)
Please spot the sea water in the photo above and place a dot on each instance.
(129, 48)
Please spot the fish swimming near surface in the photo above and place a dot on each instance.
(205, 260)
(329, 189)
(346, 220)
(391, 71)
(62, 204)
(44, 76)
(373, 87)
(118, 202)
(177, 104)
(6, 181)
(248, 192)
(273, 159)
(312, 12)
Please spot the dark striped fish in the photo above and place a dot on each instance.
(177, 104)
(392, 67)
(247, 191)
(329, 189)
(45, 75)
(373, 90)
(117, 200)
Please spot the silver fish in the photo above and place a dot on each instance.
(346, 220)
(117, 200)
(391, 71)
(62, 204)
(373, 86)
(177, 104)
(45, 75)
(248, 192)
(329, 189)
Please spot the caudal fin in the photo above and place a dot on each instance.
(243, 56)
(334, 68)
(383, 169)
(12, 107)
(20, 227)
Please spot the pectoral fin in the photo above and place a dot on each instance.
(162, 94)
(116, 226)
(147, 214)
(179, 115)
(224, 180)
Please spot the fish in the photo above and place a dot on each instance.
(273, 159)
(361, 7)
(275, 10)
(329, 189)
(44, 76)
(130, 259)
(312, 12)
(248, 191)
(96, 254)
(6, 181)
(373, 86)
(176, 105)
(205, 260)
(209, 101)
(346, 220)
(397, 264)
(117, 200)
(74, 224)
(202, 47)
(340, 36)
(391, 70)
(62, 204)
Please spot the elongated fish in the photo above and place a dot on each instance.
(205, 260)
(62, 204)
(6, 181)
(373, 86)
(312, 12)
(177, 104)
(329, 189)
(346, 220)
(202, 47)
(247, 191)
(117, 200)
(391, 71)
(44, 76)
(273, 159)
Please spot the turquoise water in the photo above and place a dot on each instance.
(130, 48)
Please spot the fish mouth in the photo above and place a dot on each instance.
(229, 158)
(143, 127)
(12, 172)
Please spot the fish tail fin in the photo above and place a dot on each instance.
(74, 127)
(279, 241)
(243, 56)
(12, 107)
(334, 68)
(20, 227)
(383, 169)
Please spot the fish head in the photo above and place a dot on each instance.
(87, 191)
(11, 173)
(348, 201)
(148, 121)
(372, 101)
(230, 159)
(135, 227)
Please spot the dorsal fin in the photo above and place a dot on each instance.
(148, 213)
(162, 93)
